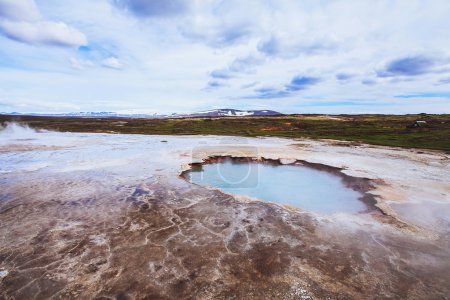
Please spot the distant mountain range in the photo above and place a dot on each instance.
(227, 112)
(87, 114)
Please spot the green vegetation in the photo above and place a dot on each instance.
(389, 130)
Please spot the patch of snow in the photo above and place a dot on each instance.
(244, 113)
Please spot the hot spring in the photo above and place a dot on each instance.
(297, 185)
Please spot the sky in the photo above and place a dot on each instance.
(166, 56)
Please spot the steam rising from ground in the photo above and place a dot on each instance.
(20, 137)
(16, 131)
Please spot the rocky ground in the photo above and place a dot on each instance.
(98, 216)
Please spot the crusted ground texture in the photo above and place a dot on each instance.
(98, 216)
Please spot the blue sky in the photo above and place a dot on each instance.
(164, 56)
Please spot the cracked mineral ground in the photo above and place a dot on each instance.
(109, 216)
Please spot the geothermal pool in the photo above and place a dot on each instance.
(294, 185)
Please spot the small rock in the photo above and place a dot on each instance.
(176, 221)
(101, 262)
(144, 207)
(91, 268)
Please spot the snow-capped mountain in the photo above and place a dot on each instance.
(228, 112)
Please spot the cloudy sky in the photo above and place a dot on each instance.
(163, 56)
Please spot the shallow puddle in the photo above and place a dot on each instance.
(295, 185)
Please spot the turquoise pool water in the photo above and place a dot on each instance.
(296, 185)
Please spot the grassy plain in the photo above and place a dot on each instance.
(388, 130)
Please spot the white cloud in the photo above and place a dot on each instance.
(80, 64)
(21, 10)
(288, 46)
(21, 21)
(43, 33)
(154, 8)
(220, 24)
(112, 62)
